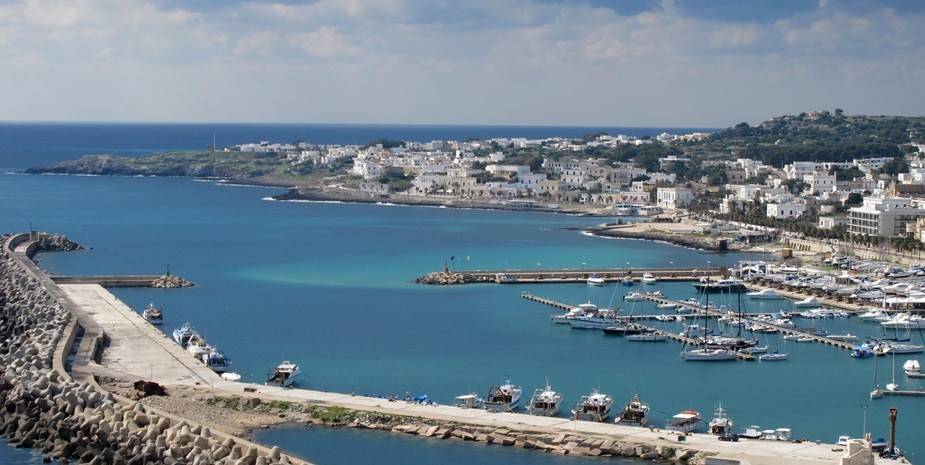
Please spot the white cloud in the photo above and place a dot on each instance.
(480, 61)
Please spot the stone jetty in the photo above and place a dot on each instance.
(42, 407)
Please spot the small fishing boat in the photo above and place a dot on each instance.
(721, 424)
(595, 280)
(216, 361)
(283, 375)
(197, 346)
(635, 411)
(503, 398)
(183, 334)
(649, 278)
(593, 407)
(653, 336)
(809, 302)
(685, 421)
(708, 355)
(470, 400)
(232, 377)
(768, 294)
(752, 432)
(545, 402)
(773, 357)
(153, 315)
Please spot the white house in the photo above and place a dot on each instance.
(820, 182)
(785, 210)
(674, 197)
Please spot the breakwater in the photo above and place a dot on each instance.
(44, 407)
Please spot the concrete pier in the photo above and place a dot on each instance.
(568, 275)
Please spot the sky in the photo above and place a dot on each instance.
(683, 63)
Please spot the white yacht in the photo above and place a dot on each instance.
(773, 357)
(593, 407)
(153, 315)
(897, 348)
(636, 411)
(634, 297)
(685, 421)
(545, 402)
(654, 336)
(904, 321)
(595, 280)
(598, 320)
(708, 355)
(843, 337)
(503, 398)
(874, 315)
(283, 375)
(721, 424)
(809, 302)
(768, 294)
(584, 309)
(649, 278)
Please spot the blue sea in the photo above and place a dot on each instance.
(331, 286)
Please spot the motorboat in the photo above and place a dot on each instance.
(722, 285)
(635, 412)
(708, 355)
(470, 400)
(627, 281)
(597, 320)
(653, 336)
(685, 421)
(153, 315)
(862, 351)
(754, 350)
(634, 297)
(623, 329)
(595, 280)
(216, 361)
(752, 432)
(232, 377)
(503, 398)
(183, 334)
(809, 302)
(581, 310)
(768, 294)
(649, 278)
(593, 407)
(792, 337)
(843, 337)
(545, 402)
(721, 424)
(913, 369)
(773, 357)
(667, 306)
(904, 321)
(897, 348)
(666, 318)
(874, 315)
(283, 375)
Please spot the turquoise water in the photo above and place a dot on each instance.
(332, 446)
(331, 287)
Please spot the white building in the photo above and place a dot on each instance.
(674, 197)
(785, 210)
(884, 217)
(820, 182)
(798, 169)
(829, 222)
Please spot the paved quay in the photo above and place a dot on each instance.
(139, 350)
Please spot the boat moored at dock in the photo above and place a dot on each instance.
(685, 422)
(722, 285)
(283, 375)
(153, 315)
(593, 407)
(595, 280)
(503, 398)
(183, 334)
(470, 400)
(721, 424)
(545, 402)
(634, 412)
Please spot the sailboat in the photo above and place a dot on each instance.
(706, 354)
(891, 386)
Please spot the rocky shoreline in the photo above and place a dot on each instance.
(44, 409)
(675, 239)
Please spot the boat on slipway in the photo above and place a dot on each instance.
(635, 412)
(721, 424)
(545, 402)
(503, 398)
(593, 407)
